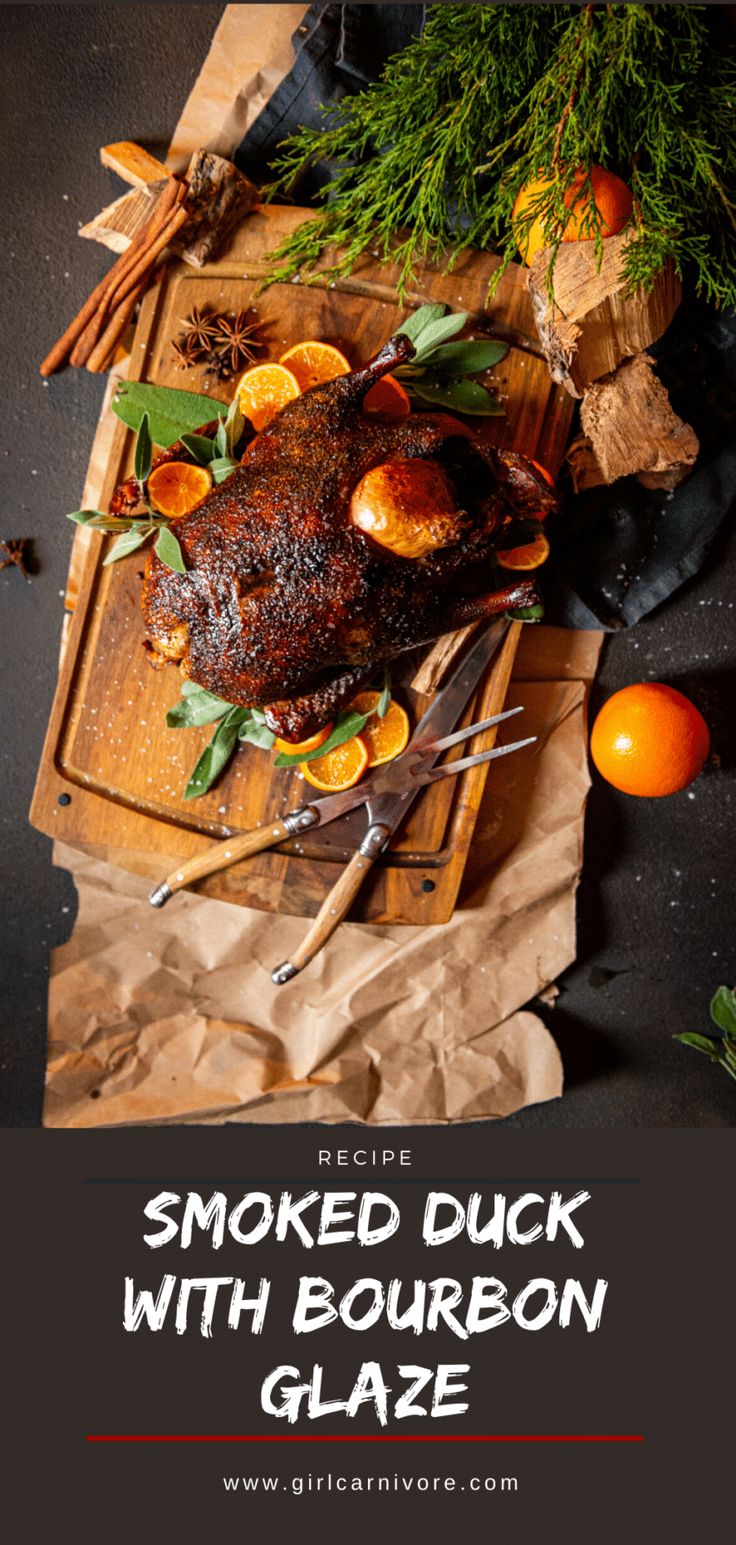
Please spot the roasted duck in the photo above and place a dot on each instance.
(339, 542)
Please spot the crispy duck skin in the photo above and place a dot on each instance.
(285, 603)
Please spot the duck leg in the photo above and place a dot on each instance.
(296, 718)
(464, 609)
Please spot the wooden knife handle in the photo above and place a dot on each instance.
(336, 906)
(220, 856)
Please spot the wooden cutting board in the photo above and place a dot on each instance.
(112, 774)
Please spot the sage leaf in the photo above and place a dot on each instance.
(347, 724)
(171, 411)
(143, 452)
(527, 613)
(699, 1043)
(222, 468)
(438, 332)
(86, 517)
(258, 715)
(196, 707)
(201, 447)
(382, 706)
(221, 442)
(421, 318)
(430, 326)
(723, 1010)
(128, 542)
(464, 396)
(113, 523)
(216, 754)
(729, 1051)
(234, 426)
(168, 550)
(466, 357)
(256, 734)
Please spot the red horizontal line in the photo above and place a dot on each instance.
(308, 1437)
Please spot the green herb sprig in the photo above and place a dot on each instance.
(439, 371)
(136, 530)
(429, 160)
(171, 412)
(197, 707)
(162, 415)
(723, 1014)
(533, 613)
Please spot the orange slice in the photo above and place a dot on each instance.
(263, 391)
(527, 557)
(175, 487)
(300, 747)
(313, 362)
(548, 478)
(387, 399)
(340, 768)
(386, 737)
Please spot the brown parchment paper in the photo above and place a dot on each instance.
(171, 1016)
(249, 55)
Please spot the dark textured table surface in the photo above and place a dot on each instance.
(656, 926)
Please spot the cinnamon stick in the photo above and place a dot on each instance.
(61, 348)
(116, 326)
(56, 357)
(173, 225)
(172, 197)
(138, 249)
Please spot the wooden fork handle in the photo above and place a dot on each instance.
(336, 906)
(222, 854)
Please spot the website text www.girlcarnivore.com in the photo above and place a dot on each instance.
(304, 1485)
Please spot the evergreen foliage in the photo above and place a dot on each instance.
(431, 157)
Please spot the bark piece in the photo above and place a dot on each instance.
(218, 198)
(630, 427)
(592, 324)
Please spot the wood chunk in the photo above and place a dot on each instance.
(117, 224)
(134, 164)
(442, 655)
(630, 428)
(592, 324)
(218, 198)
(585, 471)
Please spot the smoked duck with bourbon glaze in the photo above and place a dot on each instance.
(340, 541)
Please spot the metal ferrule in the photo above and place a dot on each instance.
(301, 820)
(375, 840)
(283, 973)
(160, 896)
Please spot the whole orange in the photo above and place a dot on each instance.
(613, 201)
(649, 739)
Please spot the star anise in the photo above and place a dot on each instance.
(235, 340)
(186, 351)
(14, 551)
(201, 327)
